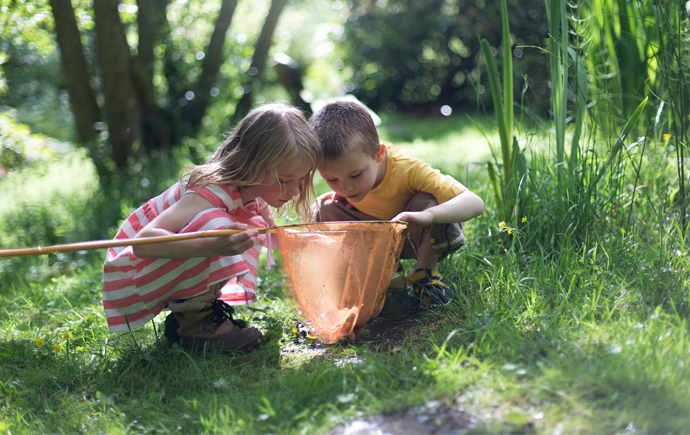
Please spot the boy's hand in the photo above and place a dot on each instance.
(338, 198)
(416, 220)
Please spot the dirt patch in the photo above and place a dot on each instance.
(430, 418)
(381, 330)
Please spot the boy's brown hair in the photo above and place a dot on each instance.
(345, 126)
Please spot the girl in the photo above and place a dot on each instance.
(269, 159)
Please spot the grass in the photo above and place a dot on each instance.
(586, 337)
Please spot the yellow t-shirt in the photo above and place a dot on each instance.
(406, 176)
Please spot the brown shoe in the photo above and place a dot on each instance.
(211, 326)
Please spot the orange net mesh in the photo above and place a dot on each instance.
(338, 272)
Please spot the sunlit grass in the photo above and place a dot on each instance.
(67, 175)
(583, 335)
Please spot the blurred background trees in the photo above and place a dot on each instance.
(420, 55)
(129, 79)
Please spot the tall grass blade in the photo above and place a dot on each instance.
(621, 140)
(507, 70)
(504, 113)
(493, 179)
(558, 43)
(581, 92)
(495, 86)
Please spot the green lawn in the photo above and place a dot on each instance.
(575, 336)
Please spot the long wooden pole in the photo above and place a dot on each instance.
(98, 244)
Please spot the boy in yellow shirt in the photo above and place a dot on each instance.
(378, 181)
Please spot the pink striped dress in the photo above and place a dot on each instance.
(136, 289)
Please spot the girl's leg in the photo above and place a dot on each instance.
(206, 322)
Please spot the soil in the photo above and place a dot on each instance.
(381, 329)
(430, 418)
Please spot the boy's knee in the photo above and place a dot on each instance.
(315, 212)
(445, 238)
(327, 210)
(421, 201)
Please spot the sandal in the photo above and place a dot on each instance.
(429, 288)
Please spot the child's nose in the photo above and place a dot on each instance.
(293, 188)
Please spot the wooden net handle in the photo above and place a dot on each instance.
(98, 244)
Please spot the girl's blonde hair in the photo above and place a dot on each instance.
(269, 137)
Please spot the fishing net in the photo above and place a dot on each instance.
(338, 272)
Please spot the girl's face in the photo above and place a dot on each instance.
(277, 192)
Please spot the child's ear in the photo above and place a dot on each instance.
(381, 153)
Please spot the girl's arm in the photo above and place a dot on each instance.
(172, 220)
(267, 215)
(460, 208)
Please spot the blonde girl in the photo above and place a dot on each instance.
(269, 160)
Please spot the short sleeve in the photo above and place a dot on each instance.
(424, 178)
(221, 196)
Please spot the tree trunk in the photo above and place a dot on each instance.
(118, 88)
(213, 59)
(263, 44)
(290, 76)
(75, 74)
(155, 128)
(147, 22)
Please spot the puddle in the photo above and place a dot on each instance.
(431, 418)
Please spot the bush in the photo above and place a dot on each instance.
(424, 54)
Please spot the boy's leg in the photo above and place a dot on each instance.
(328, 210)
(442, 239)
(429, 246)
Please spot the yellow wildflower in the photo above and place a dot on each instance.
(57, 348)
(524, 219)
(667, 136)
(502, 224)
(39, 341)
(68, 335)
(510, 231)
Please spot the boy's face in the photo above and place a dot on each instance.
(354, 174)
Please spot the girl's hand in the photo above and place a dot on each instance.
(416, 220)
(235, 244)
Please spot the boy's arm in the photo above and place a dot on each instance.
(460, 208)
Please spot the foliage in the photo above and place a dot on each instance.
(424, 54)
(20, 148)
(569, 314)
(591, 340)
(26, 23)
(170, 108)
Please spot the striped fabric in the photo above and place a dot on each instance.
(136, 289)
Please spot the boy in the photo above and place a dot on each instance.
(378, 181)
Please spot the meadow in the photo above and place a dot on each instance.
(568, 318)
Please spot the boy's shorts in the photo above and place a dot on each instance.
(445, 238)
